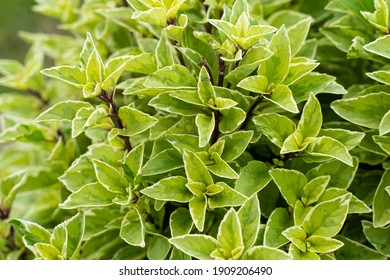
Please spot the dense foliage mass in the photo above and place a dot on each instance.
(179, 129)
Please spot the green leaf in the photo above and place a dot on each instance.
(235, 144)
(299, 68)
(349, 139)
(205, 126)
(170, 189)
(164, 53)
(90, 195)
(380, 76)
(353, 250)
(384, 126)
(320, 244)
(229, 234)
(300, 212)
(227, 197)
(48, 251)
(133, 228)
(290, 184)
(276, 127)
(196, 170)
(32, 232)
(231, 120)
(327, 218)
(257, 83)
(253, 178)
(297, 236)
(206, 91)
(312, 191)
(355, 204)
(87, 117)
(278, 221)
(164, 101)
(196, 245)
(328, 147)
(381, 211)
(155, 16)
(197, 208)
(109, 177)
(367, 110)
(308, 127)
(282, 96)
(341, 174)
(383, 142)
(183, 142)
(63, 111)
(165, 161)
(180, 222)
(266, 253)
(133, 161)
(114, 70)
(175, 76)
(73, 75)
(135, 121)
(249, 215)
(158, 248)
(221, 168)
(379, 46)
(94, 68)
(298, 33)
(379, 237)
(276, 67)
(297, 254)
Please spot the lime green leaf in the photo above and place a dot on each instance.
(170, 189)
(278, 221)
(86, 117)
(384, 126)
(48, 251)
(197, 208)
(320, 244)
(205, 126)
(381, 201)
(355, 204)
(235, 144)
(196, 170)
(379, 237)
(70, 74)
(299, 67)
(183, 142)
(221, 168)
(290, 184)
(133, 161)
(297, 236)
(114, 70)
(297, 254)
(328, 147)
(175, 76)
(383, 142)
(95, 68)
(227, 197)
(135, 121)
(164, 161)
(327, 218)
(379, 46)
(155, 16)
(349, 139)
(180, 222)
(32, 232)
(253, 178)
(63, 111)
(312, 191)
(206, 91)
(164, 101)
(276, 127)
(196, 245)
(231, 120)
(266, 253)
(282, 96)
(276, 67)
(90, 195)
(257, 83)
(109, 177)
(380, 76)
(300, 212)
(229, 234)
(249, 215)
(133, 228)
(298, 33)
(367, 110)
(164, 53)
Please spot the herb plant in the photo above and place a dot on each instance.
(179, 129)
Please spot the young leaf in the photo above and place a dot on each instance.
(133, 161)
(196, 245)
(327, 218)
(164, 53)
(133, 228)
(320, 244)
(221, 168)
(205, 126)
(298, 33)
(297, 236)
(282, 96)
(197, 207)
(229, 235)
(313, 190)
(227, 197)
(195, 169)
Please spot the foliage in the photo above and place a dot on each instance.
(173, 129)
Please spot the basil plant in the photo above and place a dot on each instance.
(188, 129)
